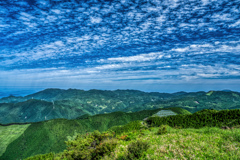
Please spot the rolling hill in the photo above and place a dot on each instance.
(49, 136)
(69, 104)
(195, 136)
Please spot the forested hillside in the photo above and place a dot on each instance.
(49, 136)
(201, 135)
(69, 104)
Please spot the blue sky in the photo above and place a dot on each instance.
(153, 45)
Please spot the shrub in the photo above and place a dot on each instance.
(91, 146)
(129, 136)
(162, 129)
(48, 156)
(136, 150)
(178, 127)
(123, 137)
(105, 148)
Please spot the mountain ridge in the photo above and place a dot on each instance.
(72, 103)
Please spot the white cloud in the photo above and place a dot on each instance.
(110, 66)
(56, 11)
(95, 20)
(138, 58)
(59, 43)
(236, 24)
(180, 49)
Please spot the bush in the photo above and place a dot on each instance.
(178, 127)
(48, 156)
(136, 150)
(162, 129)
(91, 146)
(129, 136)
(105, 148)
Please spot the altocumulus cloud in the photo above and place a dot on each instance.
(120, 43)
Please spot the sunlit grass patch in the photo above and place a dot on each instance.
(9, 134)
(204, 143)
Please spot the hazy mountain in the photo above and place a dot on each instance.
(72, 103)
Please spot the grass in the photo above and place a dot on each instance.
(204, 143)
(49, 136)
(209, 93)
(9, 133)
(160, 141)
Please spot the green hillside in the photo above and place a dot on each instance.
(9, 133)
(72, 103)
(196, 101)
(49, 136)
(56, 103)
(161, 138)
(36, 110)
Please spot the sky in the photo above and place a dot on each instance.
(149, 45)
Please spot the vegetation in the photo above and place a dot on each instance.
(135, 125)
(72, 103)
(162, 129)
(48, 156)
(92, 146)
(187, 143)
(135, 150)
(49, 136)
(199, 119)
(121, 135)
(9, 133)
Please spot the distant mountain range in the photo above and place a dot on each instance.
(72, 103)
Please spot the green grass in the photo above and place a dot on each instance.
(9, 133)
(204, 143)
(49, 136)
(178, 110)
(161, 141)
(209, 93)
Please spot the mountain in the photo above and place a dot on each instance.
(206, 134)
(36, 110)
(72, 103)
(196, 101)
(49, 136)
(52, 94)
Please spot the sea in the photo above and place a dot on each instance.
(18, 91)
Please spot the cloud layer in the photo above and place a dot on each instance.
(116, 42)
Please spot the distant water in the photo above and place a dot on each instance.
(18, 91)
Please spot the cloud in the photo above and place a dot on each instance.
(138, 58)
(169, 40)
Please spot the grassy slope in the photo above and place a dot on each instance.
(178, 110)
(44, 137)
(9, 133)
(188, 143)
(204, 143)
